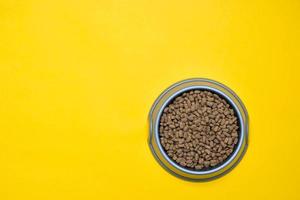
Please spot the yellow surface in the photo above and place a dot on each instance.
(77, 79)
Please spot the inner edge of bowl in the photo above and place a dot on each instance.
(223, 95)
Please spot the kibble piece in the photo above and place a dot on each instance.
(199, 130)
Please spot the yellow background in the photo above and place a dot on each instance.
(77, 79)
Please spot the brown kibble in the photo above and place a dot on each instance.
(206, 163)
(216, 128)
(201, 161)
(213, 162)
(229, 141)
(198, 167)
(189, 161)
(223, 144)
(226, 140)
(172, 126)
(220, 149)
(235, 141)
(199, 130)
(234, 134)
(207, 151)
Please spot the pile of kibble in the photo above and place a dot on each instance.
(199, 130)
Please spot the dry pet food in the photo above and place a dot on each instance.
(199, 130)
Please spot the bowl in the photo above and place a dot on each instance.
(166, 97)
